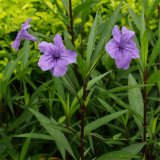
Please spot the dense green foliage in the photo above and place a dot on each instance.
(40, 114)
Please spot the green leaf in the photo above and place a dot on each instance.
(155, 53)
(25, 148)
(144, 40)
(96, 79)
(59, 87)
(117, 155)
(69, 85)
(82, 65)
(145, 6)
(106, 106)
(10, 67)
(136, 101)
(159, 27)
(106, 34)
(68, 42)
(84, 7)
(66, 5)
(124, 105)
(135, 96)
(25, 52)
(3, 89)
(153, 78)
(152, 8)
(89, 85)
(91, 40)
(61, 141)
(134, 148)
(135, 17)
(153, 126)
(102, 121)
(36, 136)
(64, 105)
(104, 37)
(23, 118)
(49, 4)
(144, 48)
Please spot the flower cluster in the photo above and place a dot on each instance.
(56, 57)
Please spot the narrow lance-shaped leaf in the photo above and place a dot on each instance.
(89, 85)
(135, 17)
(124, 105)
(144, 41)
(66, 5)
(10, 67)
(104, 37)
(60, 139)
(82, 66)
(25, 148)
(91, 40)
(102, 121)
(136, 101)
(153, 78)
(126, 153)
(152, 8)
(145, 6)
(155, 53)
(36, 136)
(85, 5)
(117, 155)
(134, 148)
(25, 52)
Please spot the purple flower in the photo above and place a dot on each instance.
(23, 34)
(56, 57)
(122, 47)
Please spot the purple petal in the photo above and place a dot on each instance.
(46, 62)
(26, 24)
(69, 55)
(47, 48)
(126, 34)
(131, 49)
(58, 42)
(16, 43)
(122, 60)
(112, 47)
(116, 33)
(60, 68)
(23, 34)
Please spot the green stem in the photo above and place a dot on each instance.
(71, 21)
(83, 111)
(145, 76)
(159, 20)
(1, 113)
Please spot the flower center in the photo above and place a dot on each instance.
(121, 46)
(55, 57)
(56, 54)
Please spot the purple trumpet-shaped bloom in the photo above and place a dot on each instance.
(56, 57)
(23, 34)
(122, 47)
